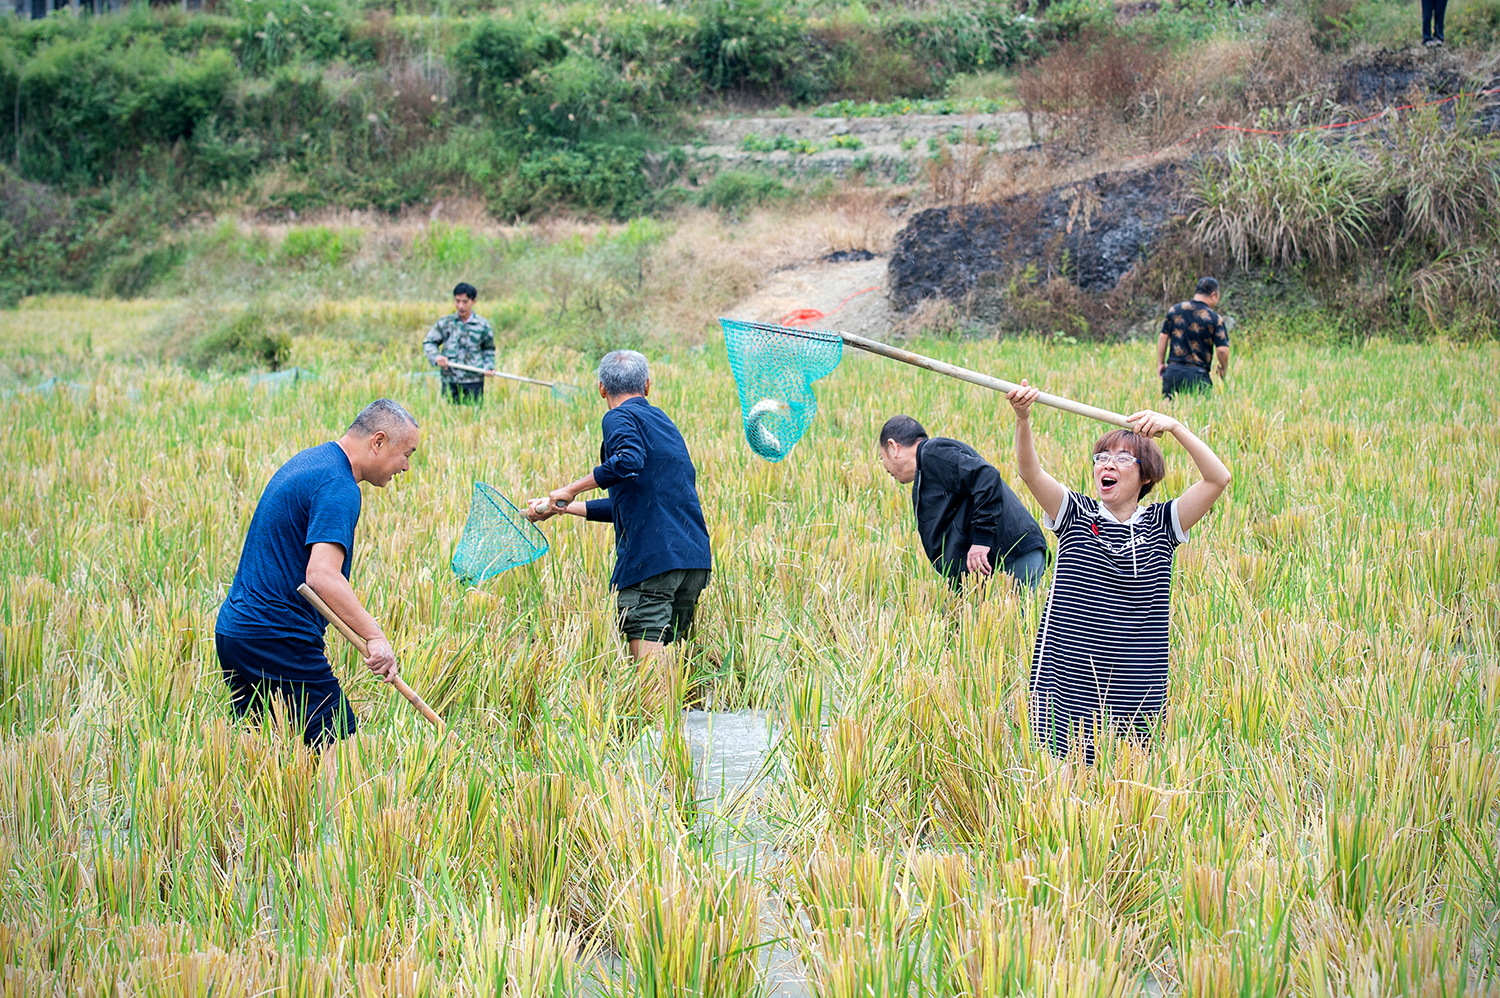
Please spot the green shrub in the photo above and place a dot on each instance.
(756, 142)
(747, 44)
(607, 179)
(735, 190)
(318, 244)
(85, 108)
(500, 52)
(1475, 22)
(242, 342)
(133, 275)
(448, 245)
(961, 38)
(278, 32)
(1444, 181)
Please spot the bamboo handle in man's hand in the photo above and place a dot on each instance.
(363, 647)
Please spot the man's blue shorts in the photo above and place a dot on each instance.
(256, 669)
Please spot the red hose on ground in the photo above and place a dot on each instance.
(802, 316)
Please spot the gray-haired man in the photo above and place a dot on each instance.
(662, 556)
(269, 640)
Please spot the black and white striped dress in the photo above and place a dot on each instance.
(1101, 652)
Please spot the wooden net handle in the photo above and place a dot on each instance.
(363, 647)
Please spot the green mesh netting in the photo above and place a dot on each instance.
(496, 537)
(774, 367)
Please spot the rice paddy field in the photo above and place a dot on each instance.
(1318, 816)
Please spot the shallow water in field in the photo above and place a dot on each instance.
(730, 750)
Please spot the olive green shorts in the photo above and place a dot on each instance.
(661, 608)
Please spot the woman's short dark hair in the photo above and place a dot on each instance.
(1207, 286)
(902, 429)
(1146, 451)
(465, 288)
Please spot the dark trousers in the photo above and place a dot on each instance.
(260, 670)
(1432, 18)
(1185, 378)
(464, 392)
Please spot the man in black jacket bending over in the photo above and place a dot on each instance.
(968, 518)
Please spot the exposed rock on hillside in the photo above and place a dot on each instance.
(1094, 231)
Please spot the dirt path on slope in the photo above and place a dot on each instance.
(822, 285)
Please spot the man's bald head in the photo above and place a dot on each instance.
(379, 416)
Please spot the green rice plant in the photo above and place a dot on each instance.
(1316, 814)
(687, 929)
(532, 958)
(853, 923)
(27, 603)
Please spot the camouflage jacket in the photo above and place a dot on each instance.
(471, 343)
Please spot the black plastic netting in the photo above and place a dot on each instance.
(496, 537)
(775, 367)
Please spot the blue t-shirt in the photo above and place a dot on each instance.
(653, 495)
(312, 499)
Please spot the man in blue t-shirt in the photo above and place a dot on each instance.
(269, 639)
(662, 557)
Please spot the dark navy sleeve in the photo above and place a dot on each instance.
(332, 516)
(599, 509)
(624, 450)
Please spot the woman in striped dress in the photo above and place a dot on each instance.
(1100, 659)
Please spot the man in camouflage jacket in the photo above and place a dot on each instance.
(463, 338)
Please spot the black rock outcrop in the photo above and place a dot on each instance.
(1092, 232)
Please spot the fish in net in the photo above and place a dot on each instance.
(496, 537)
(775, 367)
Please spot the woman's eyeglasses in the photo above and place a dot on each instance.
(1120, 459)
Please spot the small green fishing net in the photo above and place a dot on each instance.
(775, 367)
(496, 537)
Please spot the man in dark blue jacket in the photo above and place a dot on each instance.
(662, 557)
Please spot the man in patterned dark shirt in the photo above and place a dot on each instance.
(1192, 338)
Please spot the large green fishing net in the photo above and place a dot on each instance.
(775, 367)
(496, 537)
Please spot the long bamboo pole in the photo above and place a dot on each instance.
(502, 374)
(983, 380)
(363, 647)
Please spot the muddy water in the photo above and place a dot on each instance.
(730, 751)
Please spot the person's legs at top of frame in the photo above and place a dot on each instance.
(1433, 12)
